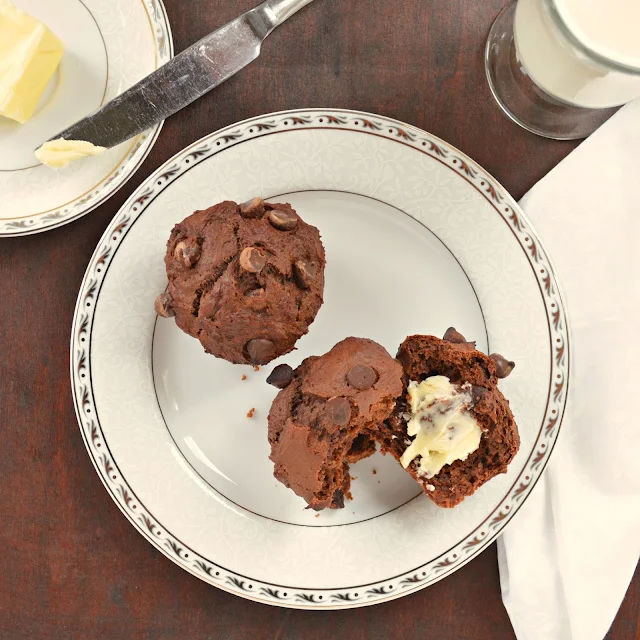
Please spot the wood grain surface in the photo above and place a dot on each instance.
(71, 566)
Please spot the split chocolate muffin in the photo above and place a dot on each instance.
(327, 417)
(451, 429)
(246, 280)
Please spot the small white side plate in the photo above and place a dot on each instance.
(108, 47)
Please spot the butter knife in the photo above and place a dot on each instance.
(185, 78)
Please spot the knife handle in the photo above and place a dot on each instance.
(284, 9)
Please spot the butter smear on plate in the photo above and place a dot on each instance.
(29, 56)
(59, 153)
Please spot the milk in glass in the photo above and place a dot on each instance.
(610, 28)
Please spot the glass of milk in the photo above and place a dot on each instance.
(559, 68)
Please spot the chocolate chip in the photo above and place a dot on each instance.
(260, 350)
(162, 305)
(281, 376)
(188, 252)
(304, 273)
(210, 305)
(252, 260)
(477, 393)
(253, 208)
(451, 335)
(283, 220)
(362, 376)
(339, 411)
(503, 366)
(338, 500)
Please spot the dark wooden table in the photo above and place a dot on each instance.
(71, 566)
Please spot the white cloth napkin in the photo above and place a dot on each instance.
(567, 558)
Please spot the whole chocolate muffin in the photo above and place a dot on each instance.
(327, 415)
(246, 280)
(470, 380)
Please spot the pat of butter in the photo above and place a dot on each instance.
(59, 153)
(442, 426)
(29, 55)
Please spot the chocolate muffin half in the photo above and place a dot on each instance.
(327, 416)
(246, 280)
(452, 429)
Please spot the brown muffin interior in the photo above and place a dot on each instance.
(425, 356)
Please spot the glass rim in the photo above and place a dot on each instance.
(574, 41)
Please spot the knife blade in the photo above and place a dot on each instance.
(185, 78)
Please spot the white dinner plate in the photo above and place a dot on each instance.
(109, 46)
(418, 237)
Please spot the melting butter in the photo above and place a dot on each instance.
(441, 425)
(59, 153)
